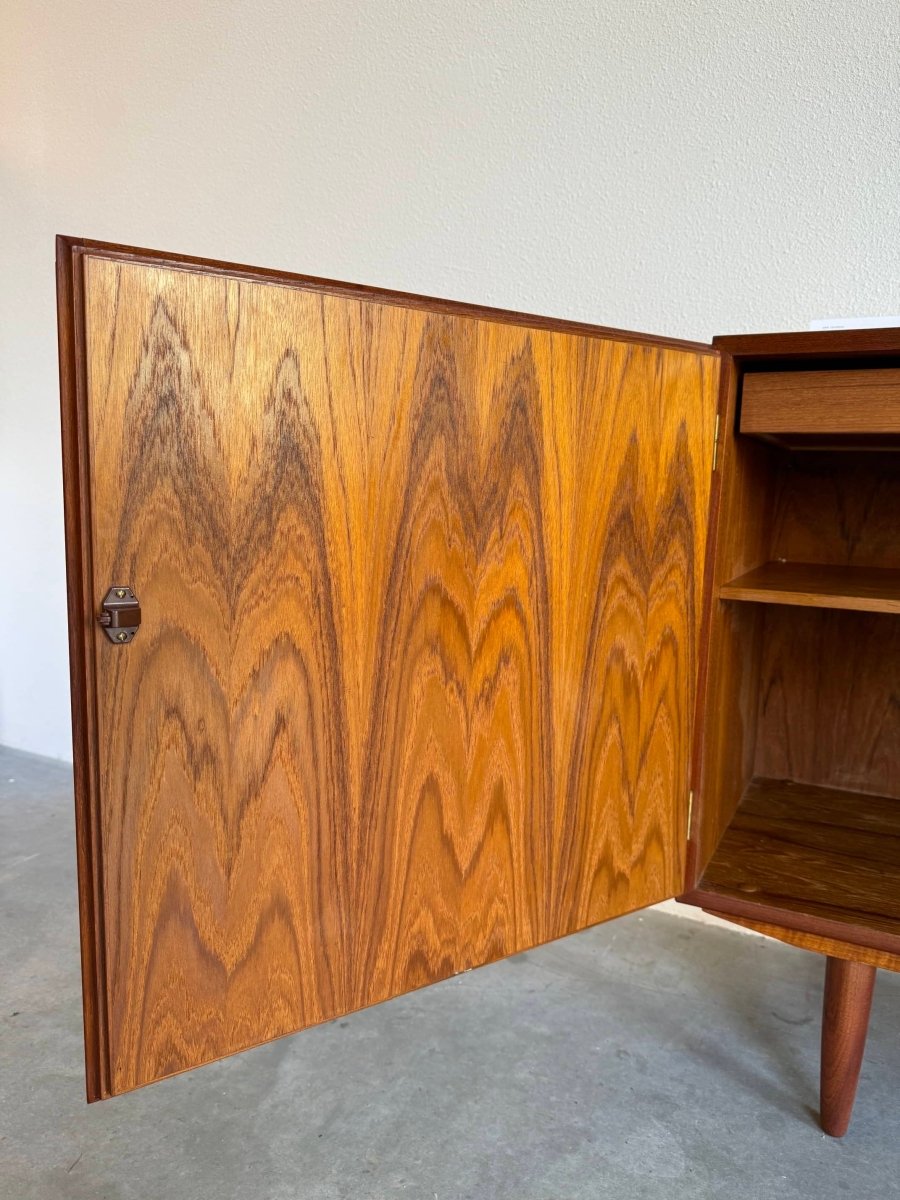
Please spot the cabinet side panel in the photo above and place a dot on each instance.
(742, 535)
(415, 682)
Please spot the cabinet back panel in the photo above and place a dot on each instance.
(414, 686)
(829, 707)
(838, 507)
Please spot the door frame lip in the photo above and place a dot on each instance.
(82, 665)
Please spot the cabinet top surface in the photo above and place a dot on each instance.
(849, 344)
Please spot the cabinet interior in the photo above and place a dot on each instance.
(800, 785)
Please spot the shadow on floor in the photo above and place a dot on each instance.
(651, 1057)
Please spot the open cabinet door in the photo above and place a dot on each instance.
(414, 678)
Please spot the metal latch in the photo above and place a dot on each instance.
(120, 614)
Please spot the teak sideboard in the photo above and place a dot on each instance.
(408, 634)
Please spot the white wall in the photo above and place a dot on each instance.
(682, 167)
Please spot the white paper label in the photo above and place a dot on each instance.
(855, 323)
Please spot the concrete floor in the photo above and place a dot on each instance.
(652, 1057)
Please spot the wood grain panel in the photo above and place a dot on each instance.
(829, 706)
(414, 684)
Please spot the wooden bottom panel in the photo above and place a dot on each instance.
(816, 944)
(813, 858)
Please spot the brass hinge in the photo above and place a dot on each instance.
(690, 813)
(716, 443)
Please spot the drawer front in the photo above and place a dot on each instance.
(821, 402)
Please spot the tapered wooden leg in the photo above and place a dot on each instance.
(845, 1022)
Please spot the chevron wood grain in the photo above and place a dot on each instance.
(414, 684)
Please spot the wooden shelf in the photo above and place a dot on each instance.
(862, 589)
(810, 858)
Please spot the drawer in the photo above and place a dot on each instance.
(818, 407)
